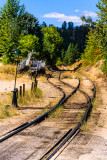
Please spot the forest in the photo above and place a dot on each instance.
(56, 45)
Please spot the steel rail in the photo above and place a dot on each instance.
(71, 132)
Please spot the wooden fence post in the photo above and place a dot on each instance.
(20, 91)
(23, 90)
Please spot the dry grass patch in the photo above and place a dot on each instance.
(8, 69)
(6, 110)
(30, 98)
(54, 114)
(97, 102)
(85, 126)
(42, 78)
(7, 72)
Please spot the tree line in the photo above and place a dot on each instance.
(21, 30)
(96, 47)
(56, 45)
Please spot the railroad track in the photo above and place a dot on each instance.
(69, 116)
(39, 119)
(54, 150)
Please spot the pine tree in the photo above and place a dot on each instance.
(72, 54)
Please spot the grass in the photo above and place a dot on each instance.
(7, 72)
(6, 110)
(8, 69)
(80, 115)
(67, 75)
(85, 126)
(97, 101)
(48, 107)
(100, 125)
(56, 112)
(30, 98)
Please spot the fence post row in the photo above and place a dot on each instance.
(21, 91)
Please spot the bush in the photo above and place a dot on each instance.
(71, 54)
(93, 51)
(28, 43)
(58, 63)
(104, 66)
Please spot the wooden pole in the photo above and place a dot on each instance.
(23, 90)
(32, 86)
(20, 91)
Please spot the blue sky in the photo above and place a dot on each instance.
(57, 11)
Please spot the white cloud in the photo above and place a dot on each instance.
(54, 15)
(77, 10)
(90, 14)
(63, 17)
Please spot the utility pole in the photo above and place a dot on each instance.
(15, 91)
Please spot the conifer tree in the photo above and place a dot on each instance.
(71, 54)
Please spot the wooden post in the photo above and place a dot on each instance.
(35, 86)
(20, 91)
(32, 86)
(23, 90)
(31, 75)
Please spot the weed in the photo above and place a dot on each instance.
(85, 126)
(97, 101)
(56, 112)
(81, 113)
(67, 75)
(8, 69)
(100, 125)
(44, 110)
(7, 111)
(30, 97)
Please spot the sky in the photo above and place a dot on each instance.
(57, 11)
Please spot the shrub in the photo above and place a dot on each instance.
(58, 63)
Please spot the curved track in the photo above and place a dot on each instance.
(42, 117)
(54, 149)
(66, 97)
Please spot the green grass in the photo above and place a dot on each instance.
(56, 112)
